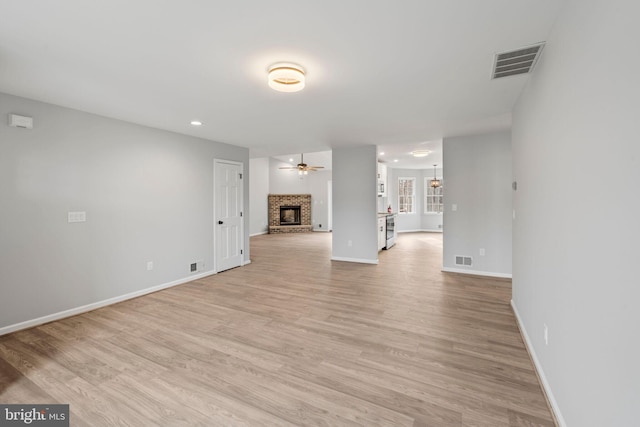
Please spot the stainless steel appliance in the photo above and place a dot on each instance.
(391, 231)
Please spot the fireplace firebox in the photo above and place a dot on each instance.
(290, 215)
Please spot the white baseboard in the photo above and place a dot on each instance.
(422, 230)
(322, 230)
(260, 233)
(536, 363)
(358, 260)
(93, 306)
(246, 262)
(477, 273)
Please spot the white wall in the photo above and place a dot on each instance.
(478, 181)
(355, 220)
(284, 181)
(148, 195)
(418, 221)
(318, 185)
(576, 232)
(259, 192)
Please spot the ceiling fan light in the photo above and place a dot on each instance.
(286, 77)
(420, 153)
(302, 167)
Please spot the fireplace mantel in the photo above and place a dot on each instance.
(278, 200)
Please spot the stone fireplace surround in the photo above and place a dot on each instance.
(302, 200)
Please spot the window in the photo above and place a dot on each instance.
(406, 195)
(433, 197)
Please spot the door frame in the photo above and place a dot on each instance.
(214, 220)
(330, 205)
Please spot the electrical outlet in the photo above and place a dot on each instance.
(481, 251)
(149, 265)
(349, 243)
(546, 335)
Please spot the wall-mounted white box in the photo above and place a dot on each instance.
(77, 216)
(18, 121)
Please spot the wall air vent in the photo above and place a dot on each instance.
(466, 261)
(514, 62)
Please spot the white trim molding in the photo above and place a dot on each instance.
(358, 260)
(260, 233)
(477, 273)
(422, 230)
(93, 306)
(536, 363)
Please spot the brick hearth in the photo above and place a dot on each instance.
(302, 200)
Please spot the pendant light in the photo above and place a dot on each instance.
(435, 182)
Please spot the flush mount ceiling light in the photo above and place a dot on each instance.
(420, 153)
(285, 77)
(196, 123)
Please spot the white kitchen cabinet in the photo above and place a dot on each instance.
(382, 232)
(382, 179)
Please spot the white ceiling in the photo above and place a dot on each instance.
(378, 71)
(319, 158)
(394, 155)
(399, 155)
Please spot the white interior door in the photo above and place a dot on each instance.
(228, 214)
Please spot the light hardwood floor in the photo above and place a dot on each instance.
(293, 339)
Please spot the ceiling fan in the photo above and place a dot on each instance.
(302, 167)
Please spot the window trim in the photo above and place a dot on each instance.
(427, 195)
(414, 208)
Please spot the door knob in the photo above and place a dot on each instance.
(220, 222)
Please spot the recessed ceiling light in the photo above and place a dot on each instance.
(196, 123)
(395, 160)
(420, 153)
(382, 153)
(285, 77)
(291, 160)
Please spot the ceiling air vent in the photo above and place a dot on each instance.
(514, 62)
